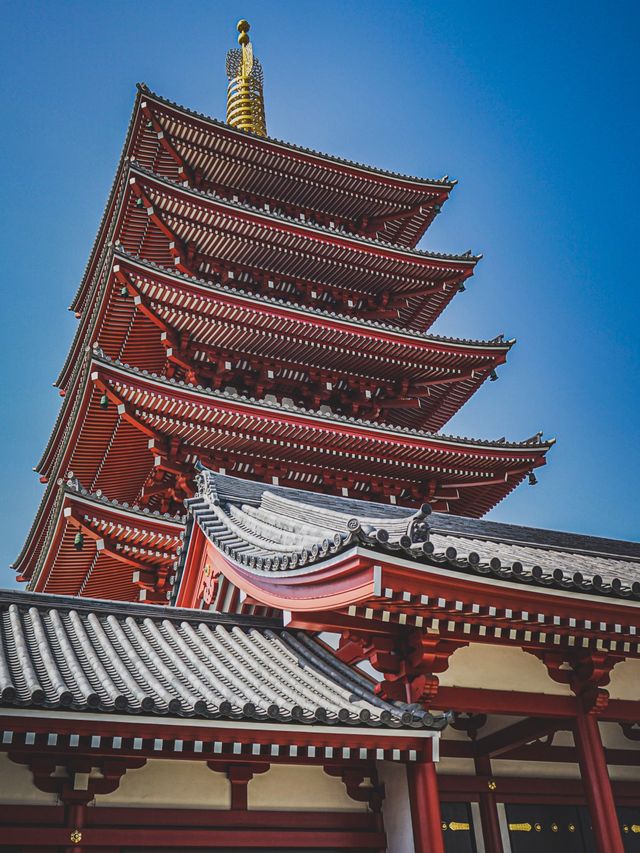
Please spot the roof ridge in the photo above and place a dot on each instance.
(159, 611)
(74, 487)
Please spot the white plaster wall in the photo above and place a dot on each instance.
(163, 783)
(300, 788)
(396, 807)
(504, 827)
(491, 667)
(624, 772)
(614, 738)
(625, 681)
(541, 769)
(455, 767)
(17, 788)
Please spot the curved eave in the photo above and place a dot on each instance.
(328, 162)
(312, 315)
(394, 434)
(132, 139)
(418, 285)
(113, 534)
(335, 584)
(413, 342)
(292, 225)
(286, 247)
(298, 551)
(355, 580)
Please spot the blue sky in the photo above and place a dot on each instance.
(532, 107)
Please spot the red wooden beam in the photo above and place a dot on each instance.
(526, 789)
(281, 839)
(505, 702)
(516, 735)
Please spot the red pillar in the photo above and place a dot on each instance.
(425, 807)
(488, 808)
(75, 821)
(597, 786)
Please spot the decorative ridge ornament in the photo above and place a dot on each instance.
(245, 100)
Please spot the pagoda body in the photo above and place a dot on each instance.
(262, 309)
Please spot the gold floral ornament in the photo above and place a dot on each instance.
(572, 827)
(245, 98)
(492, 784)
(537, 827)
(75, 837)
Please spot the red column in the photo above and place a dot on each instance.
(597, 786)
(425, 807)
(75, 821)
(488, 809)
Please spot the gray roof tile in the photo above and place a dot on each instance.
(84, 655)
(272, 528)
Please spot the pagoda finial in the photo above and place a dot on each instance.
(245, 101)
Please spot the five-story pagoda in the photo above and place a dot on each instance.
(263, 309)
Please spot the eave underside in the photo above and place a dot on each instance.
(183, 145)
(219, 337)
(233, 245)
(101, 549)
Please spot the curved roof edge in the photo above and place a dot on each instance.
(444, 182)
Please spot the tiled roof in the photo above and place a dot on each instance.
(313, 311)
(441, 182)
(320, 230)
(84, 655)
(274, 529)
(96, 355)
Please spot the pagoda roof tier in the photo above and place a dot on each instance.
(76, 657)
(101, 548)
(235, 160)
(203, 235)
(220, 336)
(323, 450)
(308, 553)
(191, 147)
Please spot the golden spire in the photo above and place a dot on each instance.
(245, 101)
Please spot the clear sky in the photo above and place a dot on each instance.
(533, 107)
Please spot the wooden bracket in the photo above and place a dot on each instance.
(76, 785)
(239, 775)
(409, 661)
(586, 673)
(372, 794)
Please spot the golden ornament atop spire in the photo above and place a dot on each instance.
(245, 101)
